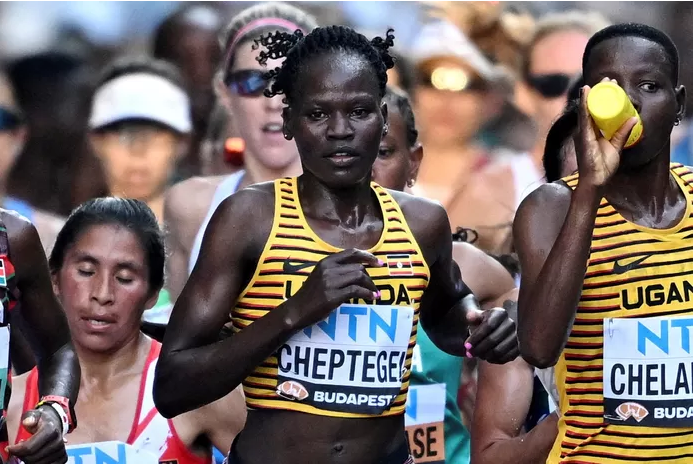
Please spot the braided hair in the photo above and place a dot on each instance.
(297, 49)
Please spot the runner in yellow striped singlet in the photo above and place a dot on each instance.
(326, 276)
(607, 265)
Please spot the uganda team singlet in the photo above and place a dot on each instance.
(625, 376)
(356, 362)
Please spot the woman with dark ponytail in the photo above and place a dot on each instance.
(326, 277)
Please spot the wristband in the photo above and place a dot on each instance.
(61, 413)
(67, 414)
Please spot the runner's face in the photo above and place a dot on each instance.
(396, 162)
(139, 159)
(103, 286)
(642, 69)
(336, 118)
(257, 118)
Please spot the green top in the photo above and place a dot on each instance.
(430, 365)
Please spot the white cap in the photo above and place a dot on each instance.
(141, 96)
(442, 39)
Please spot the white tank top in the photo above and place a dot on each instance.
(226, 188)
(152, 437)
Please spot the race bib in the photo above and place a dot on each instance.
(4, 361)
(352, 362)
(109, 453)
(425, 422)
(648, 372)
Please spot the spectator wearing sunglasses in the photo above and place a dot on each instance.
(12, 137)
(239, 84)
(552, 61)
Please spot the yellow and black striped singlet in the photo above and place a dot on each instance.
(656, 283)
(288, 258)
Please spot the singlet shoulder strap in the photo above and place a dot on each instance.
(684, 173)
(20, 206)
(224, 189)
(145, 407)
(570, 181)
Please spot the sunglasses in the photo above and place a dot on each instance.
(249, 83)
(552, 85)
(8, 120)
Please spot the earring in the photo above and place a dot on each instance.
(411, 182)
(385, 129)
(677, 122)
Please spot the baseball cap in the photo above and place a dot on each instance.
(142, 96)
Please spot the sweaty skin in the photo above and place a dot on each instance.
(50, 338)
(185, 207)
(112, 379)
(265, 158)
(553, 227)
(340, 208)
(503, 399)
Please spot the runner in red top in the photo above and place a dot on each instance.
(107, 267)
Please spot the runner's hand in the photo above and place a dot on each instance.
(598, 158)
(493, 335)
(46, 445)
(336, 279)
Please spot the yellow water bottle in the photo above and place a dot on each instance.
(610, 108)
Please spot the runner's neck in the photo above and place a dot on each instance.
(98, 368)
(349, 207)
(255, 172)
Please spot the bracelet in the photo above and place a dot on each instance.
(61, 413)
(66, 413)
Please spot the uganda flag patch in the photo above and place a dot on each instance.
(400, 265)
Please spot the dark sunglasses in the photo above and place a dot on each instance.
(247, 82)
(9, 120)
(551, 85)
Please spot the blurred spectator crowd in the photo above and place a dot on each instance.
(486, 79)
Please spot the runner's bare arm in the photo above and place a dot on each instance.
(552, 232)
(222, 420)
(445, 314)
(174, 221)
(191, 351)
(49, 335)
(503, 399)
(22, 355)
(484, 275)
(47, 328)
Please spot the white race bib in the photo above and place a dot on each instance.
(648, 371)
(353, 361)
(109, 453)
(425, 422)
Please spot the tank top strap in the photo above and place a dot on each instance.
(225, 189)
(20, 206)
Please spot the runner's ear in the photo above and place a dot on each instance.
(287, 132)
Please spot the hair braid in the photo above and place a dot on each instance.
(296, 49)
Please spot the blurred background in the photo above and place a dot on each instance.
(53, 51)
